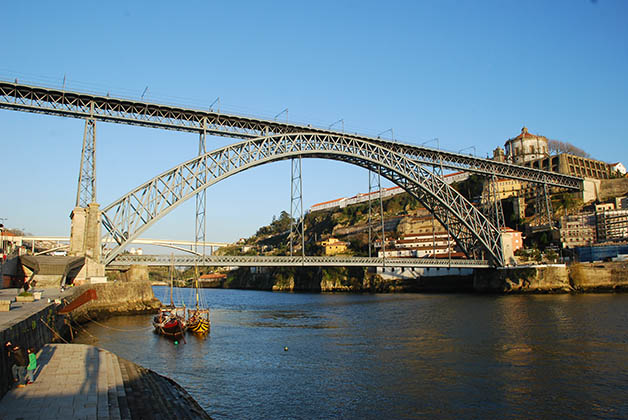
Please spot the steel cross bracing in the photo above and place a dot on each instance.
(133, 213)
(297, 221)
(294, 261)
(375, 190)
(86, 191)
(81, 105)
(201, 202)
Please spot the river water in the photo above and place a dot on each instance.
(391, 356)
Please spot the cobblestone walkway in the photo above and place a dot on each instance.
(77, 381)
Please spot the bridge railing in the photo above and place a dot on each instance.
(292, 261)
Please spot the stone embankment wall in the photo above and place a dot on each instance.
(341, 279)
(533, 279)
(556, 278)
(115, 298)
(590, 277)
(33, 331)
(585, 277)
(610, 188)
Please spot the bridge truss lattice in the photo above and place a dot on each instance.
(133, 213)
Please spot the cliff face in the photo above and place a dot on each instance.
(116, 298)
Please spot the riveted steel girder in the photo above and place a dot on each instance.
(133, 213)
(127, 111)
(293, 261)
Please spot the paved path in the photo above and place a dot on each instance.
(22, 310)
(73, 381)
(77, 381)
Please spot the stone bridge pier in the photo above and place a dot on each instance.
(85, 242)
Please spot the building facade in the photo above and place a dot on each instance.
(612, 225)
(526, 147)
(334, 246)
(578, 230)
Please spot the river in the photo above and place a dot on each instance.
(391, 356)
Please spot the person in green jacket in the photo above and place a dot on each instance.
(32, 365)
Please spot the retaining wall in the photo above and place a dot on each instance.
(30, 332)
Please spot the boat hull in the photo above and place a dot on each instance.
(199, 326)
(173, 329)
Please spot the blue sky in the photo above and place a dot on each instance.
(470, 73)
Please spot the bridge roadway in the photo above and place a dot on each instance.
(292, 261)
(38, 99)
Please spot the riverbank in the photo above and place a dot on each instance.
(79, 381)
(84, 382)
(542, 278)
(115, 298)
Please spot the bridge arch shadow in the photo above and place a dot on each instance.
(129, 216)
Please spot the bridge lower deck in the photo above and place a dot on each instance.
(294, 261)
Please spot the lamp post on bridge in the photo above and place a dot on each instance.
(467, 148)
(336, 122)
(392, 134)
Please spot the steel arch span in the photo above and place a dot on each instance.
(132, 214)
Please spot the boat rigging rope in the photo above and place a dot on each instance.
(118, 329)
(53, 331)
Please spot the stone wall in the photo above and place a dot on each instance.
(115, 298)
(590, 277)
(611, 188)
(34, 331)
(532, 279)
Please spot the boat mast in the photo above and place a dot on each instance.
(196, 284)
(171, 278)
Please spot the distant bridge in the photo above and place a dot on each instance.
(294, 261)
(175, 244)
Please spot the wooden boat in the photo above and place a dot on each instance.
(198, 321)
(198, 318)
(171, 320)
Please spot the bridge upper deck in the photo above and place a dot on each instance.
(52, 101)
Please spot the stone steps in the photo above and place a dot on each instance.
(84, 382)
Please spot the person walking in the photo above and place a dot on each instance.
(19, 362)
(32, 365)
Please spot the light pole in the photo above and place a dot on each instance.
(286, 111)
(430, 140)
(336, 122)
(467, 148)
(392, 134)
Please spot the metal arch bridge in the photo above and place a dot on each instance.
(43, 100)
(286, 261)
(403, 164)
(133, 213)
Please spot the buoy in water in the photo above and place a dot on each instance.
(285, 348)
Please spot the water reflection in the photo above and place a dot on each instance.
(393, 356)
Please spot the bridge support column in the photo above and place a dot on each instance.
(85, 241)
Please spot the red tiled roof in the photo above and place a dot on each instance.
(212, 276)
(327, 202)
(525, 134)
